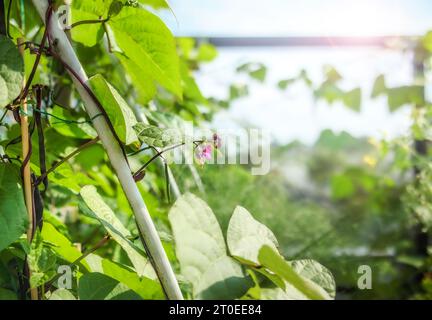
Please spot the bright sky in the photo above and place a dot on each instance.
(300, 17)
(294, 114)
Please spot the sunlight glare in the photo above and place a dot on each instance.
(361, 18)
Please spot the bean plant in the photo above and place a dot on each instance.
(89, 207)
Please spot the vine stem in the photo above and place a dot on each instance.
(76, 24)
(156, 156)
(26, 174)
(68, 157)
(151, 240)
(172, 180)
(98, 245)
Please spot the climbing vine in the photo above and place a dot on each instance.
(87, 197)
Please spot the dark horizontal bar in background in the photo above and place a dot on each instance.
(384, 41)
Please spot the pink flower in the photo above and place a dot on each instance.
(204, 153)
(207, 151)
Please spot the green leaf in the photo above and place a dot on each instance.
(332, 75)
(207, 53)
(157, 4)
(6, 294)
(149, 44)
(201, 251)
(238, 90)
(379, 86)
(145, 287)
(284, 84)
(119, 113)
(256, 71)
(405, 95)
(13, 212)
(186, 48)
(69, 178)
(352, 99)
(97, 286)
(61, 245)
(115, 7)
(246, 236)
(68, 125)
(190, 87)
(223, 279)
(11, 71)
(277, 280)
(102, 212)
(144, 85)
(304, 76)
(427, 41)
(317, 273)
(342, 187)
(41, 261)
(290, 293)
(158, 137)
(88, 34)
(329, 92)
(273, 261)
(62, 294)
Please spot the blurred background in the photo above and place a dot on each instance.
(342, 87)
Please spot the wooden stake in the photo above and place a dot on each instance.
(28, 193)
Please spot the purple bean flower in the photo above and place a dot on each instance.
(204, 153)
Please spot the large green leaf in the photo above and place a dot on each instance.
(246, 236)
(143, 85)
(13, 213)
(201, 251)
(119, 113)
(97, 286)
(149, 44)
(224, 279)
(273, 261)
(11, 71)
(102, 212)
(147, 288)
(158, 137)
